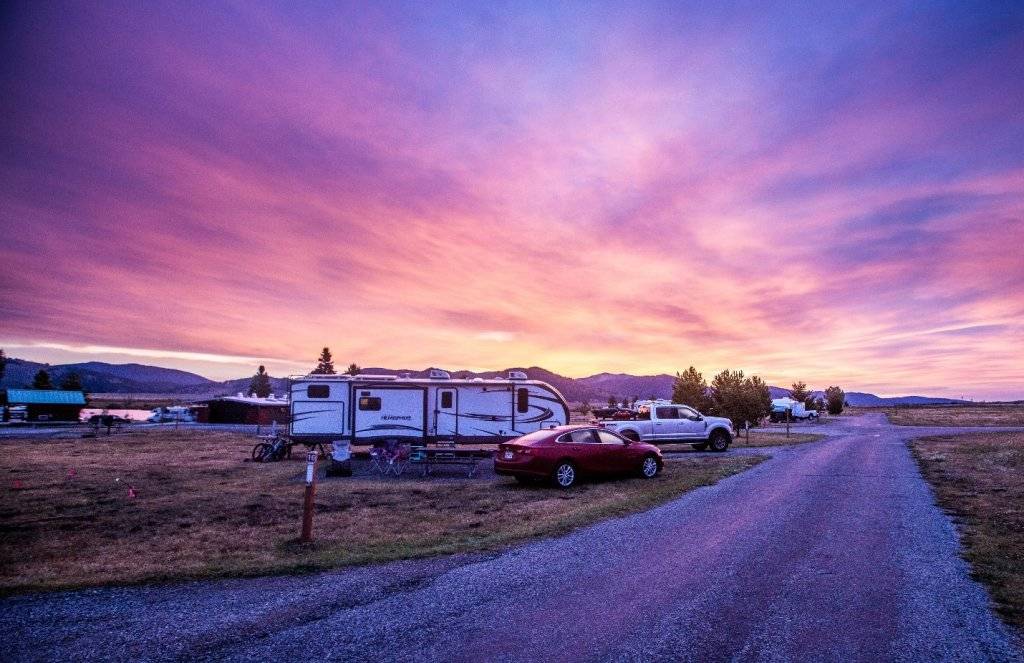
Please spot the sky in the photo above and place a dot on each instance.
(826, 192)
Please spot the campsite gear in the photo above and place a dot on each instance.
(275, 448)
(444, 454)
(341, 459)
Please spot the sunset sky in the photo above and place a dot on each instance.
(833, 194)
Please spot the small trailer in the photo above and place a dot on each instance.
(365, 409)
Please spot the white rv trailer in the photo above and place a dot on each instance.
(368, 408)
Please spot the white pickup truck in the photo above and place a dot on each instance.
(668, 422)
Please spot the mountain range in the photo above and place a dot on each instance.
(100, 377)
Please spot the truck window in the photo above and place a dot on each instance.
(371, 403)
(446, 399)
(522, 400)
(687, 413)
(667, 412)
(318, 391)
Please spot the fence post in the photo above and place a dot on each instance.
(307, 505)
(788, 415)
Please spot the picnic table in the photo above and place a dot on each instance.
(444, 454)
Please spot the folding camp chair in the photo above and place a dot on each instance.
(377, 460)
(398, 459)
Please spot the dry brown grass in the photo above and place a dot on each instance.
(1009, 414)
(979, 478)
(200, 511)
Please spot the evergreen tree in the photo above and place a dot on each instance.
(739, 398)
(3, 363)
(260, 383)
(613, 401)
(71, 382)
(835, 399)
(42, 380)
(325, 364)
(691, 389)
(799, 392)
(353, 369)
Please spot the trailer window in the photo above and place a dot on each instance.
(371, 403)
(446, 399)
(318, 391)
(522, 400)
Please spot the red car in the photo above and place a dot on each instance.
(564, 453)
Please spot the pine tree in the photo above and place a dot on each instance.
(3, 363)
(42, 380)
(691, 389)
(613, 401)
(71, 382)
(799, 392)
(260, 383)
(325, 364)
(353, 369)
(835, 399)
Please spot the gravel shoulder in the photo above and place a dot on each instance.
(832, 550)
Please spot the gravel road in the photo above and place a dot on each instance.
(830, 551)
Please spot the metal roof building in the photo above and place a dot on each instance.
(45, 404)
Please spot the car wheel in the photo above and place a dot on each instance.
(565, 475)
(631, 435)
(719, 441)
(701, 446)
(649, 467)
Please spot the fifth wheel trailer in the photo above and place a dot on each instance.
(368, 408)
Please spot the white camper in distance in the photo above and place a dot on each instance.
(367, 408)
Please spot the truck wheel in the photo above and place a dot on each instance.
(719, 441)
(631, 435)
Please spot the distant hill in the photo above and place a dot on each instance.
(101, 377)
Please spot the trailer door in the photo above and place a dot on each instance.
(390, 413)
(446, 408)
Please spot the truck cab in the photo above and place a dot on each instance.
(661, 422)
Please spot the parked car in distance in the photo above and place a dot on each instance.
(108, 419)
(617, 413)
(564, 454)
(787, 407)
(661, 422)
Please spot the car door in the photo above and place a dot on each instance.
(584, 449)
(666, 423)
(691, 423)
(617, 457)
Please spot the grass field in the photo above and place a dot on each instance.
(198, 510)
(757, 439)
(1010, 414)
(979, 479)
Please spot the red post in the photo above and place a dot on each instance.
(307, 505)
